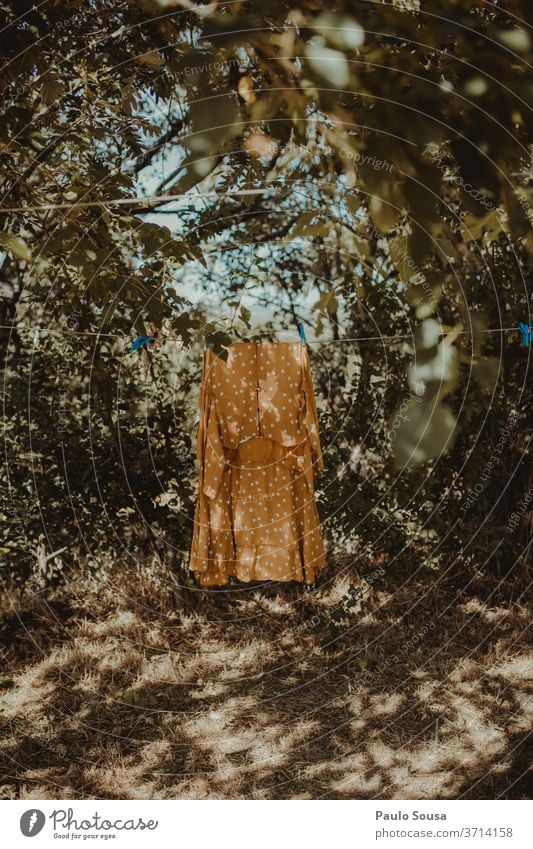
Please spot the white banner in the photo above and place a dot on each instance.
(269, 824)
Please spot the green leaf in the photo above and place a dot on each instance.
(219, 342)
(424, 433)
(52, 89)
(362, 247)
(384, 214)
(341, 30)
(427, 334)
(152, 59)
(327, 303)
(301, 226)
(420, 246)
(439, 374)
(490, 225)
(195, 252)
(214, 121)
(399, 252)
(517, 39)
(486, 372)
(16, 245)
(327, 65)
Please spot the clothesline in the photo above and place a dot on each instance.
(308, 342)
(403, 336)
(148, 200)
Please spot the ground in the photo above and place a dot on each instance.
(118, 686)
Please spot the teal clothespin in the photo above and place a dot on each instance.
(140, 342)
(527, 333)
(207, 340)
(302, 334)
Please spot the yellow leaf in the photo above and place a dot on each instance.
(152, 59)
(246, 90)
(16, 246)
(490, 225)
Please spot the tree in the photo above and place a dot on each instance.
(390, 148)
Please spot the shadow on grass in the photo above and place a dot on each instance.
(419, 692)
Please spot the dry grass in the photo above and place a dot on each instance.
(256, 693)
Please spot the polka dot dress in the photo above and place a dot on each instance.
(259, 452)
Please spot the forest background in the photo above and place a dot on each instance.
(365, 169)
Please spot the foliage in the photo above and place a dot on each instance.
(391, 145)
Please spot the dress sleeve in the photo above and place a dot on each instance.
(214, 459)
(311, 417)
(210, 451)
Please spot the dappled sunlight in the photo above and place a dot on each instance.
(357, 783)
(383, 704)
(516, 670)
(266, 339)
(267, 695)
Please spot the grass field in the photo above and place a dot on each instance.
(118, 687)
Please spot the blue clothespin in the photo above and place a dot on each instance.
(140, 342)
(527, 333)
(302, 334)
(207, 340)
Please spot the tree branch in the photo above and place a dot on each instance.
(176, 127)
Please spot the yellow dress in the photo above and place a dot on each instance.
(258, 453)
